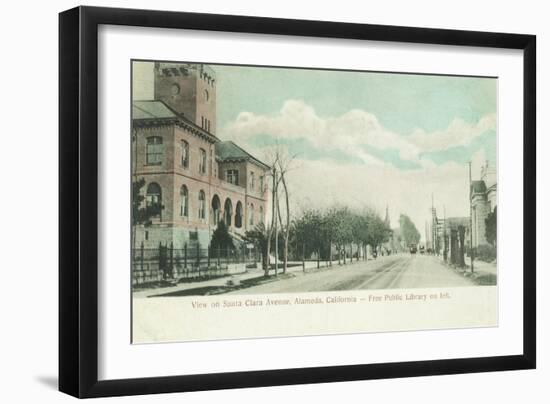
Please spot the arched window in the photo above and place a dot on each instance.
(251, 215)
(216, 208)
(154, 150)
(202, 205)
(202, 161)
(184, 203)
(228, 212)
(184, 154)
(239, 215)
(153, 198)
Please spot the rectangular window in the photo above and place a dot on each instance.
(202, 162)
(261, 183)
(154, 150)
(184, 154)
(252, 181)
(232, 176)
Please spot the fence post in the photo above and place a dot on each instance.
(172, 259)
(199, 259)
(185, 260)
(208, 256)
(141, 256)
(160, 262)
(318, 257)
(304, 257)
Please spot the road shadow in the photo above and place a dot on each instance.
(221, 289)
(203, 291)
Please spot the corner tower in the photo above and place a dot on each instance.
(190, 90)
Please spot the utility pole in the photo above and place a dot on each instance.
(471, 223)
(275, 212)
(445, 243)
(434, 225)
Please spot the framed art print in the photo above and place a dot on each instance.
(249, 201)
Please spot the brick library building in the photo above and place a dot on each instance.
(198, 179)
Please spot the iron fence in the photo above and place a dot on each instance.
(168, 263)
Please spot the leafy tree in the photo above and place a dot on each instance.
(379, 231)
(142, 213)
(340, 223)
(408, 230)
(360, 230)
(491, 227)
(221, 239)
(259, 237)
(308, 231)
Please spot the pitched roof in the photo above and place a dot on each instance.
(151, 110)
(154, 112)
(228, 150)
(478, 187)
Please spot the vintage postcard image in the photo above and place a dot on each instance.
(280, 201)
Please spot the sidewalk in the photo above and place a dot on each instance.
(485, 273)
(221, 281)
(295, 270)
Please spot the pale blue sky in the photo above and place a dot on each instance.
(401, 102)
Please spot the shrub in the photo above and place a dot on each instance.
(486, 253)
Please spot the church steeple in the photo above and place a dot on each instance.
(387, 218)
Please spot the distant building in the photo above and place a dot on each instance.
(197, 178)
(456, 239)
(483, 202)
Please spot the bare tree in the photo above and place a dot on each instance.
(284, 163)
(272, 226)
(280, 163)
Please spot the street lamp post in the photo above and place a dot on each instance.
(471, 223)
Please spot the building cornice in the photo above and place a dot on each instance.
(184, 124)
(243, 159)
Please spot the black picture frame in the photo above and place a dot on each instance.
(78, 200)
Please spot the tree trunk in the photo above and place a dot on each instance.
(273, 223)
(287, 227)
(276, 214)
(284, 230)
(344, 248)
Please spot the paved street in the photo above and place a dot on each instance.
(389, 272)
